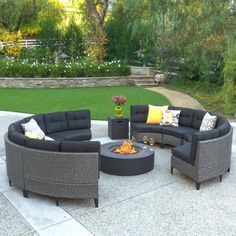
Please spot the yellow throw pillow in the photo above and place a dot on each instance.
(31, 135)
(154, 115)
(163, 108)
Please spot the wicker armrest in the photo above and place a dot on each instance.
(215, 151)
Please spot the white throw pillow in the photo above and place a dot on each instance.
(170, 118)
(32, 130)
(48, 138)
(208, 122)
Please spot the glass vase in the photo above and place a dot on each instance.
(118, 111)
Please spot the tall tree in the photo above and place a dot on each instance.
(98, 9)
(15, 14)
(95, 13)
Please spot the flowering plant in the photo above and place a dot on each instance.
(119, 100)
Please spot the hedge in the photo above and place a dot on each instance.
(12, 68)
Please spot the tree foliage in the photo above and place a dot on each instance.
(229, 88)
(12, 49)
(166, 31)
(73, 40)
(94, 15)
(24, 15)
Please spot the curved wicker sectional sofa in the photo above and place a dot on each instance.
(65, 168)
(201, 155)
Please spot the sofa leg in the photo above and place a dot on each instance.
(162, 145)
(171, 169)
(25, 193)
(57, 202)
(228, 169)
(198, 186)
(9, 182)
(221, 178)
(96, 202)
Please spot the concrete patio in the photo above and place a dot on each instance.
(156, 203)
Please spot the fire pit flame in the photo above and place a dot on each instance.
(126, 148)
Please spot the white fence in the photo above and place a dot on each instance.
(26, 43)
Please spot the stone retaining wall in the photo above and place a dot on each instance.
(66, 82)
(141, 70)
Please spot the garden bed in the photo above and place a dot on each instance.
(69, 69)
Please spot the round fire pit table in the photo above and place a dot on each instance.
(126, 164)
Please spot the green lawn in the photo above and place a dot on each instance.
(98, 100)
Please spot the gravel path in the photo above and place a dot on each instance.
(178, 98)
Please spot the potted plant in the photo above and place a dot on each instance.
(119, 101)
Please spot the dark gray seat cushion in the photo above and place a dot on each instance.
(184, 153)
(197, 118)
(72, 135)
(55, 122)
(78, 119)
(186, 115)
(178, 131)
(83, 146)
(188, 137)
(43, 145)
(146, 128)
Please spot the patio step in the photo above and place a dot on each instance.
(144, 81)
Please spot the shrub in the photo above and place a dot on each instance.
(24, 68)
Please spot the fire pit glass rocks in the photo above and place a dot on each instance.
(126, 158)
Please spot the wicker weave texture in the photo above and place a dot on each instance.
(14, 163)
(213, 158)
(139, 136)
(171, 140)
(58, 174)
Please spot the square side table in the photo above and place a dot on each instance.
(118, 127)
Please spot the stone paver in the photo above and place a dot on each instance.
(66, 228)
(175, 209)
(11, 221)
(39, 211)
(177, 98)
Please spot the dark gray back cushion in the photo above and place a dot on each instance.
(186, 115)
(45, 145)
(219, 121)
(39, 118)
(138, 113)
(55, 122)
(83, 146)
(224, 128)
(78, 119)
(201, 136)
(222, 124)
(18, 138)
(197, 118)
(16, 127)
